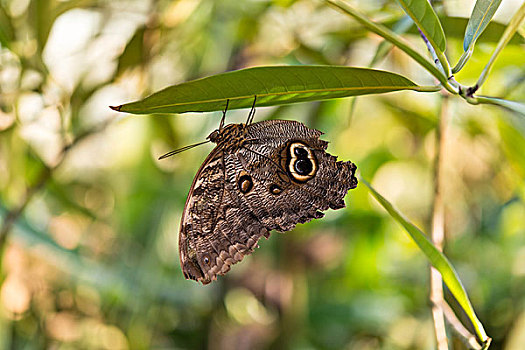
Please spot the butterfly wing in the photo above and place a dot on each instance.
(216, 230)
(240, 194)
(281, 197)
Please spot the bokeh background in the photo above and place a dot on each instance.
(91, 260)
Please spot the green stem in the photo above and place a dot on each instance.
(462, 60)
(396, 40)
(503, 41)
(444, 62)
(510, 105)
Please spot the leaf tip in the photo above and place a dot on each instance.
(116, 108)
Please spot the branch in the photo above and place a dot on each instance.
(438, 229)
(395, 39)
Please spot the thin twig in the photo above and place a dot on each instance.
(438, 230)
(395, 39)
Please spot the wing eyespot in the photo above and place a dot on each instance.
(301, 162)
(274, 189)
(244, 182)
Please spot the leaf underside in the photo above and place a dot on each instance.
(272, 86)
(482, 13)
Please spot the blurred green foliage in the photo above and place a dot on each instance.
(92, 261)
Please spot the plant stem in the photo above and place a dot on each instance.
(438, 230)
(510, 105)
(430, 49)
(464, 333)
(441, 62)
(503, 41)
(394, 39)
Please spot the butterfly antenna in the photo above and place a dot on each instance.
(224, 115)
(252, 111)
(177, 151)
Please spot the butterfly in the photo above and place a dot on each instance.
(262, 176)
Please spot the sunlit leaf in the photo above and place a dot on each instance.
(481, 15)
(272, 86)
(426, 19)
(512, 27)
(438, 260)
(480, 18)
(455, 28)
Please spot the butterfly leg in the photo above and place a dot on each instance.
(252, 112)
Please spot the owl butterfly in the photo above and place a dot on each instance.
(262, 176)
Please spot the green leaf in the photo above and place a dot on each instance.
(438, 260)
(455, 28)
(479, 19)
(512, 27)
(426, 19)
(481, 15)
(272, 86)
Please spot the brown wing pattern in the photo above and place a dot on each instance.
(297, 202)
(217, 229)
(240, 194)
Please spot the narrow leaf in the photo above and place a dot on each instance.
(272, 86)
(512, 27)
(480, 18)
(438, 260)
(455, 28)
(426, 19)
(481, 15)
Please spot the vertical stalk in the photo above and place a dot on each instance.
(438, 229)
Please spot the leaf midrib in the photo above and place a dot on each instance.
(382, 87)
